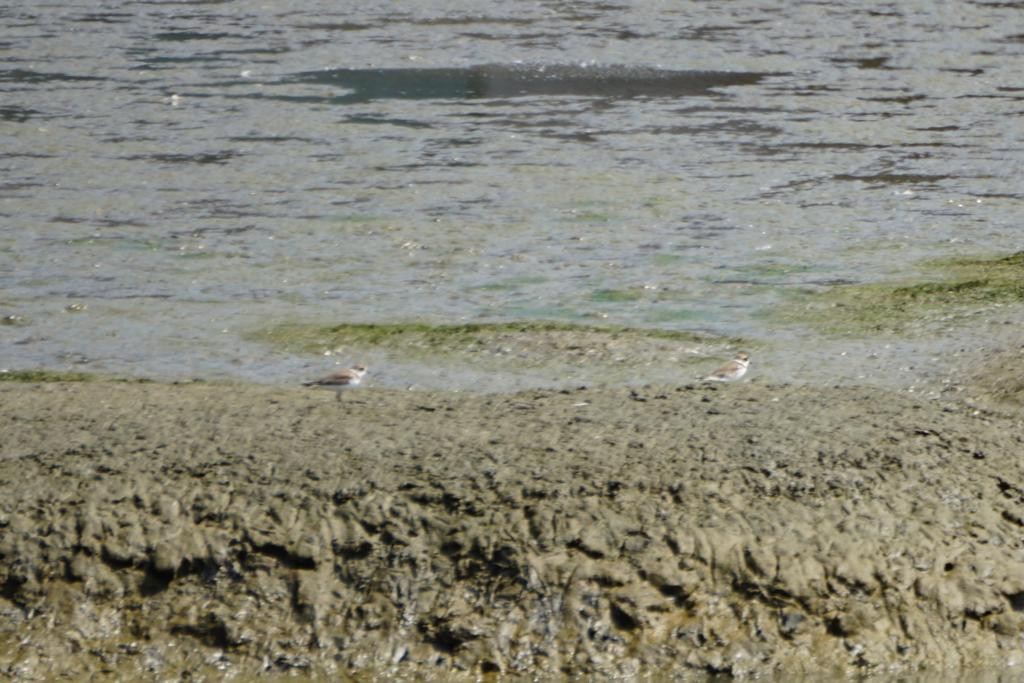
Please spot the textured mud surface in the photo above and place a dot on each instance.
(148, 530)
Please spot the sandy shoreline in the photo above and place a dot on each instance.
(150, 529)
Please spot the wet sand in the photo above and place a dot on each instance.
(150, 530)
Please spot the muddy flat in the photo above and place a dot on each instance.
(152, 529)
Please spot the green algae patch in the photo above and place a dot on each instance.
(617, 295)
(302, 337)
(953, 289)
(46, 376)
(772, 271)
(531, 343)
(41, 376)
(513, 283)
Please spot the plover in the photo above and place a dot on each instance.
(731, 371)
(340, 380)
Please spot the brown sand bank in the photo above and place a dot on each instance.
(150, 530)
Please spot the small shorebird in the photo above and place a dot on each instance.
(340, 380)
(731, 371)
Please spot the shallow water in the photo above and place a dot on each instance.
(179, 175)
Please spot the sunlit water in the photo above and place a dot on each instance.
(175, 175)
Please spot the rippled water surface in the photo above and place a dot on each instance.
(175, 175)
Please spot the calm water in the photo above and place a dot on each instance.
(175, 174)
